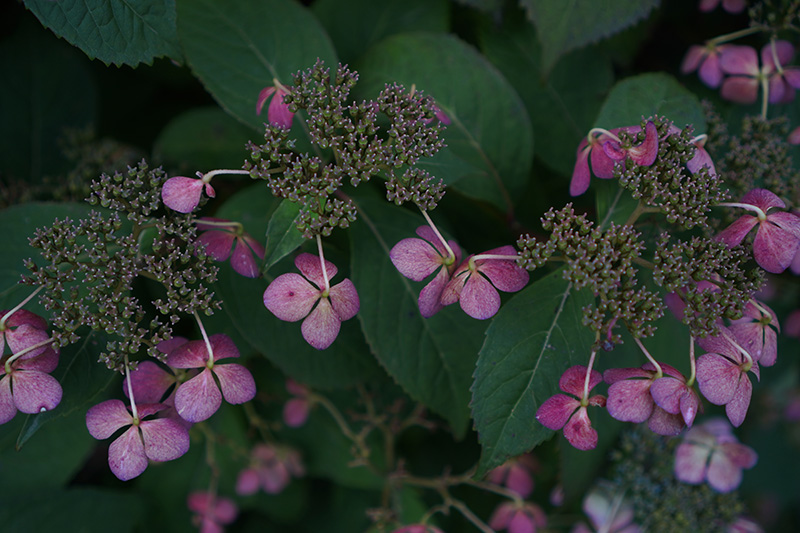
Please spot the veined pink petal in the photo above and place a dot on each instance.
(614, 150)
(701, 159)
(182, 194)
(740, 89)
(645, 153)
(505, 275)
(164, 439)
(734, 234)
(171, 344)
(263, 96)
(192, 354)
(691, 462)
(742, 60)
(573, 378)
(242, 260)
(23, 316)
(775, 245)
(278, 113)
(103, 419)
(777, 88)
(718, 378)
(309, 265)
(344, 299)
(217, 243)
(723, 475)
(430, 297)
(602, 165)
(556, 411)
(740, 455)
(416, 259)
(223, 346)
(199, 398)
(581, 176)
(35, 391)
(25, 336)
(126, 456)
(452, 291)
(579, 431)
(664, 423)
(254, 245)
(691, 61)
(792, 77)
(736, 409)
(149, 382)
(630, 400)
(321, 327)
(290, 297)
(667, 393)
(710, 72)
(479, 299)
(46, 361)
(236, 382)
(613, 375)
(7, 408)
(763, 199)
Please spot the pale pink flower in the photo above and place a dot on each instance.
(704, 59)
(757, 332)
(29, 387)
(518, 518)
(278, 113)
(211, 512)
(220, 236)
(271, 468)
(516, 474)
(183, 194)
(745, 75)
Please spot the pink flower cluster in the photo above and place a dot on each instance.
(474, 283)
(271, 469)
(25, 381)
(211, 512)
(194, 385)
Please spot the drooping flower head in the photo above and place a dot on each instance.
(278, 113)
(160, 439)
(710, 451)
(778, 235)
(475, 282)
(199, 398)
(292, 297)
(220, 236)
(417, 259)
(569, 412)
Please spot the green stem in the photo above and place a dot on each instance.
(733, 36)
(17, 308)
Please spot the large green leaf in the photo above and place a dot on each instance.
(355, 25)
(283, 237)
(238, 48)
(532, 340)
(490, 132)
(561, 106)
(432, 359)
(46, 88)
(123, 33)
(647, 95)
(566, 25)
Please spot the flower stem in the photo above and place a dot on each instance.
(134, 411)
(18, 307)
(692, 363)
(25, 351)
(749, 207)
(206, 178)
(585, 398)
(744, 352)
(205, 338)
(659, 372)
(327, 289)
(450, 254)
(598, 132)
(765, 96)
(733, 36)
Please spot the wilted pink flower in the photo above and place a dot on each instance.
(701, 157)
(278, 113)
(291, 297)
(220, 236)
(516, 474)
(271, 468)
(741, 62)
(28, 386)
(778, 234)
(183, 194)
(731, 6)
(475, 282)
(757, 332)
(295, 411)
(562, 411)
(722, 375)
(643, 154)
(518, 518)
(711, 451)
(161, 439)
(591, 149)
(211, 512)
(607, 512)
(418, 528)
(417, 259)
(704, 59)
(199, 398)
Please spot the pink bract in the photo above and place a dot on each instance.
(518, 518)
(199, 398)
(475, 283)
(220, 240)
(704, 59)
(291, 297)
(643, 154)
(22, 330)
(278, 113)
(516, 474)
(271, 468)
(757, 332)
(417, 259)
(212, 512)
(183, 194)
(29, 388)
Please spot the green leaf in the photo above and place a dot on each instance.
(356, 25)
(561, 106)
(283, 237)
(614, 204)
(238, 48)
(490, 131)
(564, 26)
(122, 33)
(534, 338)
(647, 95)
(203, 138)
(432, 359)
(46, 88)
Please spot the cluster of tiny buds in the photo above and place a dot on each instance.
(416, 185)
(90, 266)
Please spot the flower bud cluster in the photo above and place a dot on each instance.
(415, 185)
(359, 147)
(603, 261)
(91, 265)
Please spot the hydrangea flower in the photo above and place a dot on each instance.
(704, 59)
(757, 332)
(778, 234)
(607, 512)
(476, 281)
(515, 474)
(710, 451)
(569, 412)
(28, 386)
(278, 113)
(161, 439)
(296, 410)
(271, 469)
(722, 375)
(417, 259)
(291, 297)
(211, 512)
(643, 154)
(741, 63)
(199, 398)
(220, 236)
(673, 394)
(150, 383)
(182, 194)
(518, 518)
